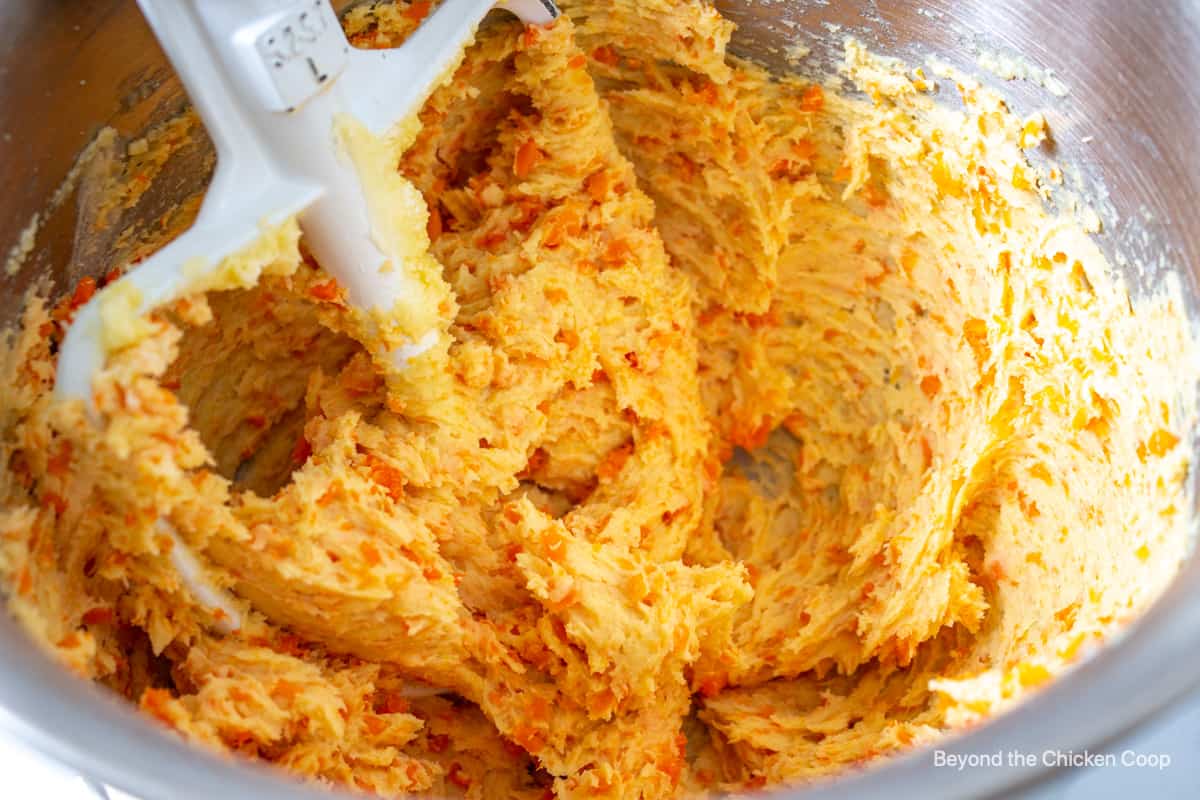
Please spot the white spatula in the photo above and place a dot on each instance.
(268, 79)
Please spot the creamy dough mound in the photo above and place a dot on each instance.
(772, 430)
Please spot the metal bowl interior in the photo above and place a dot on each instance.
(1128, 124)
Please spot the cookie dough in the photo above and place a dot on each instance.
(773, 430)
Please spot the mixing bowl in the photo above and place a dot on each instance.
(1129, 122)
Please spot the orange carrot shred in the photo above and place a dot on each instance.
(813, 98)
(418, 10)
(324, 291)
(527, 158)
(97, 616)
(605, 55)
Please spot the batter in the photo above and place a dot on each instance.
(776, 431)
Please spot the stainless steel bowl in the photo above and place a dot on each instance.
(1130, 124)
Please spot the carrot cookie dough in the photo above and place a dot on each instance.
(776, 431)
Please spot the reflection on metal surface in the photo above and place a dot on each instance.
(1128, 122)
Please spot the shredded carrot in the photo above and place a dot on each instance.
(326, 291)
(285, 690)
(975, 331)
(434, 226)
(155, 702)
(752, 438)
(617, 253)
(418, 10)
(527, 158)
(875, 196)
(597, 185)
(1161, 442)
(84, 291)
(947, 183)
(370, 553)
(555, 545)
(711, 685)
(387, 476)
(60, 462)
(612, 464)
(54, 501)
(97, 616)
(539, 709)
(605, 55)
(529, 738)
(601, 703)
(813, 98)
(301, 451)
(240, 695)
(564, 225)
(1031, 675)
(493, 239)
(672, 765)
(804, 149)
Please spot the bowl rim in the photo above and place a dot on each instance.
(1136, 674)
